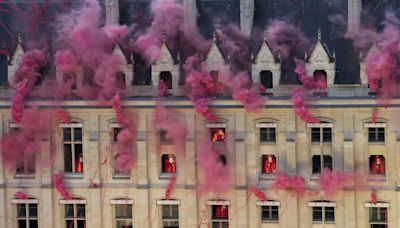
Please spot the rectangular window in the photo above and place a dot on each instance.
(269, 165)
(319, 161)
(73, 150)
(123, 215)
(170, 216)
(75, 216)
(269, 213)
(26, 164)
(163, 137)
(168, 163)
(267, 134)
(323, 214)
(378, 217)
(218, 134)
(376, 134)
(220, 216)
(321, 134)
(27, 216)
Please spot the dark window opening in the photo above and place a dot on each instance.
(222, 159)
(166, 78)
(376, 134)
(320, 79)
(218, 134)
(216, 80)
(27, 215)
(270, 213)
(73, 151)
(115, 132)
(70, 81)
(377, 165)
(266, 79)
(163, 136)
(318, 163)
(269, 165)
(75, 215)
(123, 215)
(268, 134)
(168, 163)
(378, 217)
(220, 212)
(120, 80)
(325, 137)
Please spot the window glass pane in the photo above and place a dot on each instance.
(165, 211)
(327, 134)
(21, 223)
(382, 215)
(67, 157)
(32, 210)
(316, 164)
(69, 211)
(329, 214)
(69, 224)
(328, 162)
(81, 224)
(21, 210)
(124, 224)
(80, 208)
(175, 211)
(267, 135)
(33, 224)
(275, 213)
(123, 211)
(315, 135)
(317, 214)
(78, 134)
(67, 134)
(265, 213)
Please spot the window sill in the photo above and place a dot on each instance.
(265, 176)
(270, 221)
(121, 177)
(376, 143)
(73, 175)
(326, 222)
(323, 143)
(166, 176)
(268, 143)
(314, 177)
(377, 178)
(24, 176)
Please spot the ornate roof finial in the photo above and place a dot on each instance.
(319, 34)
(19, 38)
(265, 36)
(178, 56)
(132, 60)
(334, 54)
(214, 37)
(305, 55)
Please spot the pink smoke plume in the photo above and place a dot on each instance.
(258, 193)
(317, 81)
(25, 79)
(201, 85)
(332, 181)
(168, 16)
(162, 89)
(20, 147)
(285, 182)
(286, 39)
(374, 117)
(170, 186)
(175, 129)
(241, 89)
(300, 106)
(90, 47)
(21, 195)
(125, 158)
(373, 197)
(63, 116)
(216, 175)
(59, 184)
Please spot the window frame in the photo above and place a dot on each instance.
(218, 221)
(265, 157)
(122, 202)
(15, 128)
(379, 206)
(72, 142)
(27, 218)
(323, 205)
(375, 127)
(322, 163)
(267, 125)
(74, 217)
(170, 218)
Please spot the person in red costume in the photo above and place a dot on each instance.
(170, 164)
(270, 164)
(79, 164)
(378, 165)
(221, 211)
(218, 135)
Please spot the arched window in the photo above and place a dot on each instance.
(166, 78)
(266, 79)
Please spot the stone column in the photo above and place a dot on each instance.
(246, 16)
(354, 15)
(112, 12)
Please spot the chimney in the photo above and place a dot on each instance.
(354, 15)
(112, 12)
(190, 14)
(246, 16)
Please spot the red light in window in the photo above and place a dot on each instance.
(218, 135)
(269, 164)
(378, 165)
(169, 164)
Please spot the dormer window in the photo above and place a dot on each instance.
(216, 79)
(70, 80)
(320, 79)
(266, 79)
